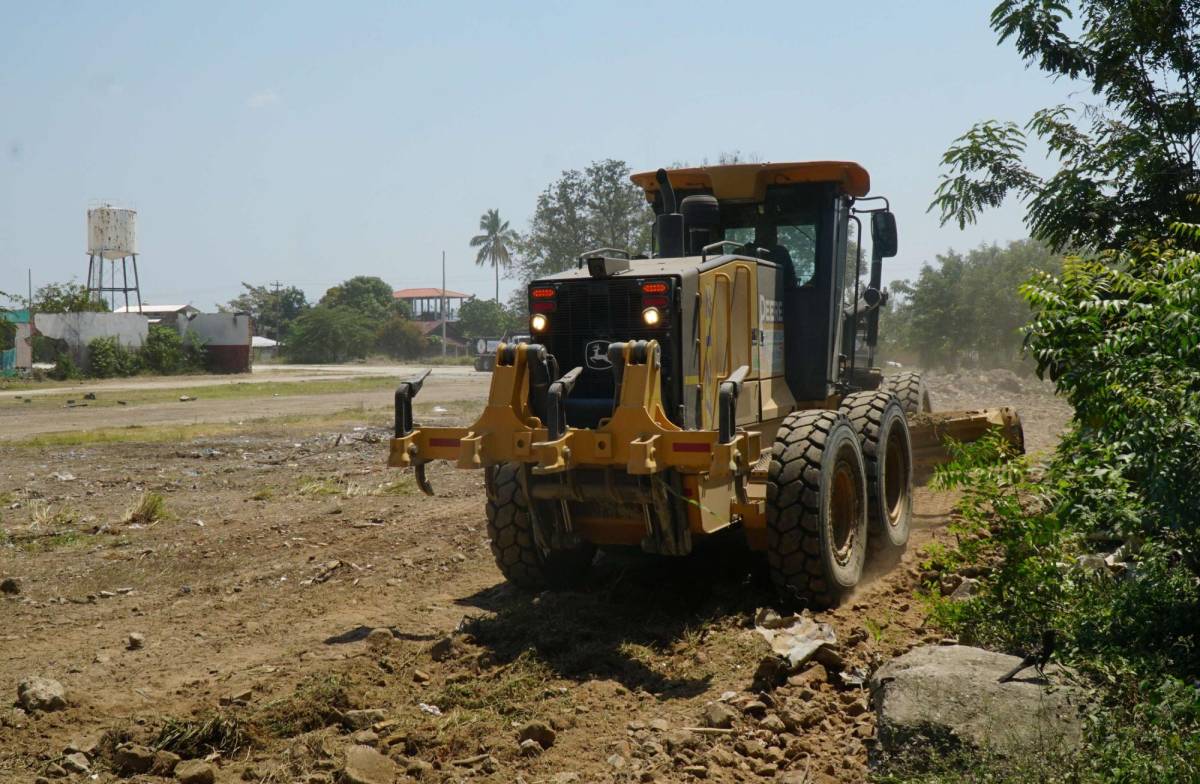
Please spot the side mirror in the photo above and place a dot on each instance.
(883, 235)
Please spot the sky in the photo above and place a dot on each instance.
(309, 142)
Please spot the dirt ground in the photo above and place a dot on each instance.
(283, 544)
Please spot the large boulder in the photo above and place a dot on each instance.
(365, 765)
(942, 699)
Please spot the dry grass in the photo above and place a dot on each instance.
(316, 702)
(150, 508)
(199, 737)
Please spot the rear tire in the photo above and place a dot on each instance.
(816, 508)
(510, 528)
(887, 453)
(911, 390)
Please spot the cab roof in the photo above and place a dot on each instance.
(749, 181)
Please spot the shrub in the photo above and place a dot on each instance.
(166, 352)
(107, 358)
(399, 338)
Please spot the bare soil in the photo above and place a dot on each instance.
(284, 545)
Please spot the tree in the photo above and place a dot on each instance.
(70, 297)
(331, 334)
(399, 338)
(494, 244)
(581, 210)
(367, 295)
(965, 308)
(1126, 163)
(273, 309)
(484, 319)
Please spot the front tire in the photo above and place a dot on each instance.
(816, 508)
(887, 453)
(521, 559)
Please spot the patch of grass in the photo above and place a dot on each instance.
(55, 541)
(263, 494)
(137, 434)
(6, 498)
(319, 487)
(403, 486)
(150, 508)
(512, 691)
(201, 736)
(240, 390)
(316, 702)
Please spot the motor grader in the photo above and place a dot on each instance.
(723, 385)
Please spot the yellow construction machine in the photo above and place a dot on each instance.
(725, 384)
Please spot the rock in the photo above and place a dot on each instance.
(699, 771)
(949, 582)
(538, 731)
(418, 769)
(164, 763)
(530, 748)
(947, 697)
(14, 717)
(365, 765)
(10, 586)
(616, 761)
(660, 725)
(719, 715)
(812, 676)
(566, 777)
(755, 708)
(55, 771)
(442, 649)
(365, 737)
(420, 676)
(773, 723)
(362, 719)
(76, 763)
(380, 639)
(131, 758)
(195, 772)
(1093, 564)
(135, 641)
(41, 694)
(965, 590)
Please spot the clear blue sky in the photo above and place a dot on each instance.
(308, 142)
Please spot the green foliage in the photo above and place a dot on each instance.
(273, 309)
(8, 333)
(366, 295)
(67, 297)
(107, 358)
(1117, 333)
(331, 334)
(167, 353)
(485, 319)
(581, 210)
(966, 309)
(399, 338)
(1127, 162)
(494, 244)
(64, 368)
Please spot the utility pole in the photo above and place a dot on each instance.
(443, 303)
(29, 302)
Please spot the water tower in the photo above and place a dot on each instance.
(112, 237)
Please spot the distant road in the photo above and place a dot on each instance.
(260, 374)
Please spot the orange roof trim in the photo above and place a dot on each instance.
(749, 181)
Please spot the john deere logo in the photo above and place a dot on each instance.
(597, 355)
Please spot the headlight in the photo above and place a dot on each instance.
(539, 322)
(651, 316)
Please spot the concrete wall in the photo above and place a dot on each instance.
(226, 337)
(78, 329)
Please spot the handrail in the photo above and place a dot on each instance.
(718, 244)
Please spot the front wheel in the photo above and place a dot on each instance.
(816, 508)
(910, 389)
(523, 561)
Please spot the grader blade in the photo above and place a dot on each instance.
(929, 431)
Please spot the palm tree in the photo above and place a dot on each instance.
(494, 243)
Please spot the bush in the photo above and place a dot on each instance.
(107, 358)
(399, 338)
(1119, 335)
(166, 352)
(64, 368)
(330, 334)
